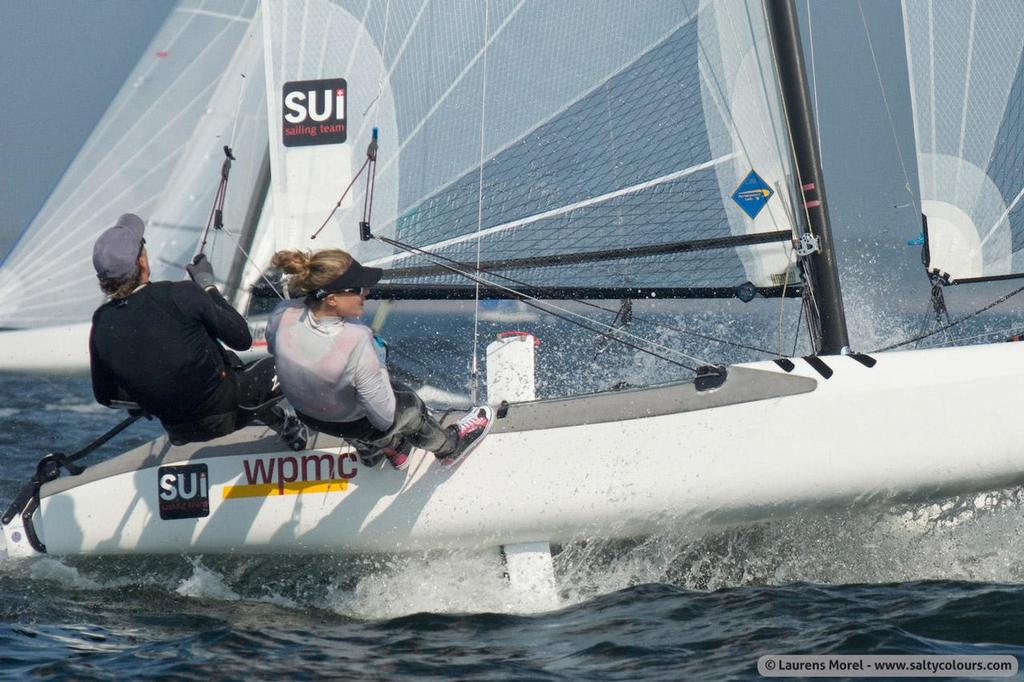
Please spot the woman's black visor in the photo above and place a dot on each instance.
(355, 277)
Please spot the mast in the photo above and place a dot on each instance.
(823, 271)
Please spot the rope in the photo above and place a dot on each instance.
(921, 337)
(340, 199)
(216, 219)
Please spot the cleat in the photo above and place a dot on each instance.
(470, 431)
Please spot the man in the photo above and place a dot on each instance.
(157, 344)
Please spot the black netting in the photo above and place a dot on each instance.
(555, 191)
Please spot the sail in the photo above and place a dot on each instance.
(602, 148)
(235, 116)
(967, 90)
(124, 165)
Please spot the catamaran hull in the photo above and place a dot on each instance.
(65, 349)
(918, 425)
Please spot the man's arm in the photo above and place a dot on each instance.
(220, 319)
(216, 314)
(104, 384)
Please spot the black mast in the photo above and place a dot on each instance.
(823, 270)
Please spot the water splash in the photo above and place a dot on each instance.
(205, 583)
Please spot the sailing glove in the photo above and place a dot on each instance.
(380, 347)
(201, 272)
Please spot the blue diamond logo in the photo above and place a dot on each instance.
(752, 194)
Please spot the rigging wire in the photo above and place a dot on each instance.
(814, 73)
(534, 302)
(262, 271)
(1014, 331)
(888, 110)
(475, 368)
(921, 337)
(782, 308)
(590, 304)
(796, 333)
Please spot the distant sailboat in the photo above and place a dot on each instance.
(139, 159)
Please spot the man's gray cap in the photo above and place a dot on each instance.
(116, 253)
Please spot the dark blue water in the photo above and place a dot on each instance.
(940, 579)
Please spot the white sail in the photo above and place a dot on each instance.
(967, 89)
(235, 116)
(123, 166)
(532, 130)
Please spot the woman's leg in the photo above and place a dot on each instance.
(414, 423)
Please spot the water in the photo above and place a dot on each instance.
(939, 579)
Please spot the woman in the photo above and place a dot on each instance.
(330, 370)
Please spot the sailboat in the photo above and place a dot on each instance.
(156, 152)
(665, 150)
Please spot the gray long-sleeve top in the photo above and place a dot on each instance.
(328, 367)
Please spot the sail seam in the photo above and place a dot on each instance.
(216, 15)
(565, 209)
(139, 121)
(85, 224)
(963, 111)
(526, 133)
(451, 88)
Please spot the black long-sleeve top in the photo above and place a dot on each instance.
(158, 347)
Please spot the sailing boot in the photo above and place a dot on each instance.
(398, 454)
(469, 431)
(294, 433)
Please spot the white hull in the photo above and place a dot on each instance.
(918, 426)
(65, 349)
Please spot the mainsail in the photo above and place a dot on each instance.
(124, 166)
(967, 88)
(592, 151)
(235, 116)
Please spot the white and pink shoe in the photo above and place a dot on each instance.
(470, 431)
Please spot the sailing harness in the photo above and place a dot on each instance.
(48, 469)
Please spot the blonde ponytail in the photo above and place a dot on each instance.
(309, 270)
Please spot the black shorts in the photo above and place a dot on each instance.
(242, 392)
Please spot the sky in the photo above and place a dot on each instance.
(63, 61)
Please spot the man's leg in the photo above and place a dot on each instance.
(260, 396)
